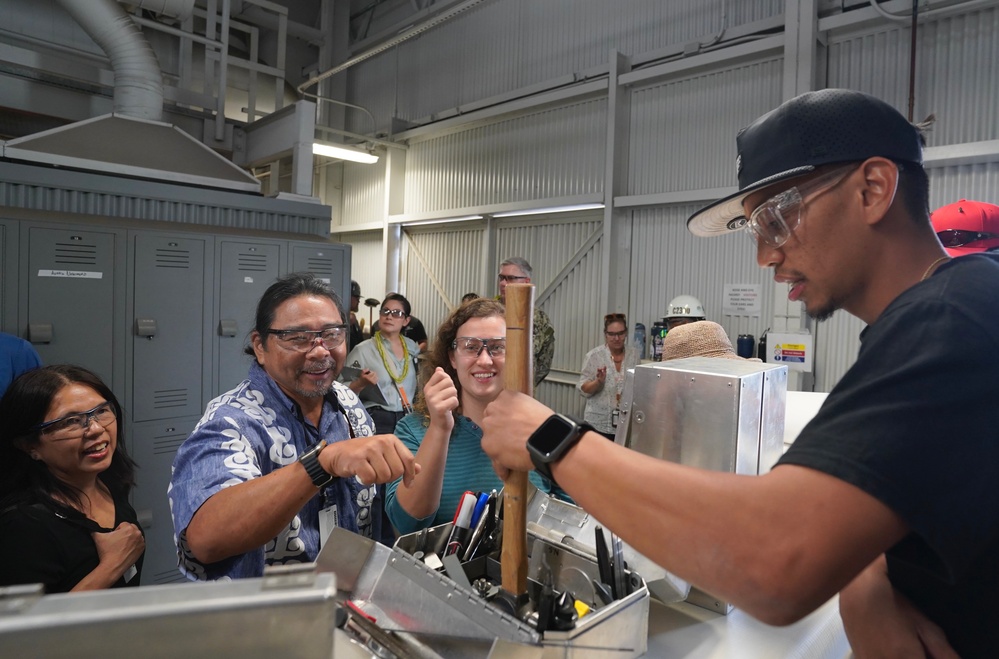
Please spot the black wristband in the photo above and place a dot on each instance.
(310, 460)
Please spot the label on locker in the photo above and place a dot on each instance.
(72, 274)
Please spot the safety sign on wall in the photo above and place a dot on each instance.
(792, 349)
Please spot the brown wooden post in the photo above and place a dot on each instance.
(518, 375)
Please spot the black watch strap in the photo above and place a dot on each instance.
(552, 440)
(310, 460)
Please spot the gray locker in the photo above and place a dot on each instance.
(8, 278)
(69, 302)
(169, 296)
(245, 269)
(330, 262)
(153, 446)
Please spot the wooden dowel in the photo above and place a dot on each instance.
(518, 375)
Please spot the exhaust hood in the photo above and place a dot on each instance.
(130, 146)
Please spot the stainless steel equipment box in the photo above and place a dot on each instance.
(711, 413)
(443, 612)
(283, 616)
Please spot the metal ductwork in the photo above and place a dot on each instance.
(138, 82)
(133, 140)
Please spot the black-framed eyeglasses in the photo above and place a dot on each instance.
(510, 278)
(395, 313)
(471, 346)
(616, 335)
(305, 340)
(76, 424)
(775, 219)
(961, 237)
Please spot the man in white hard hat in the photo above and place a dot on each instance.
(684, 309)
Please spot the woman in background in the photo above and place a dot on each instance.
(64, 485)
(388, 362)
(463, 373)
(602, 377)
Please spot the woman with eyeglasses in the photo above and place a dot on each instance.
(64, 484)
(462, 373)
(602, 377)
(387, 363)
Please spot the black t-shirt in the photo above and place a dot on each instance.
(38, 545)
(915, 423)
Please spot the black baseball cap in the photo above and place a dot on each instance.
(806, 132)
(355, 289)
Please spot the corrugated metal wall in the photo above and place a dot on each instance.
(440, 265)
(503, 45)
(666, 261)
(556, 152)
(701, 154)
(363, 193)
(957, 72)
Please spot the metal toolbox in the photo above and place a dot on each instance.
(711, 413)
(444, 612)
(286, 616)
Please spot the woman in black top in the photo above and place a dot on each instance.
(65, 520)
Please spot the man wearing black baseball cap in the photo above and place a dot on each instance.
(886, 494)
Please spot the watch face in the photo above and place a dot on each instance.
(551, 433)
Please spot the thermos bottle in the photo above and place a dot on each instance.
(640, 339)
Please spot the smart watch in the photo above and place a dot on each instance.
(552, 439)
(310, 460)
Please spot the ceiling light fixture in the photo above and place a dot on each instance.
(343, 153)
(552, 209)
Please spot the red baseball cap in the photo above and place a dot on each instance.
(967, 227)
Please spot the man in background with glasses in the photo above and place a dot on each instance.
(516, 270)
(967, 227)
(276, 463)
(888, 494)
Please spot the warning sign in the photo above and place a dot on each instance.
(789, 352)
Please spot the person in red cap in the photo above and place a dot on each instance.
(967, 227)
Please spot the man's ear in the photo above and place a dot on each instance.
(879, 187)
(257, 341)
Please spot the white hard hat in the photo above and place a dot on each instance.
(685, 306)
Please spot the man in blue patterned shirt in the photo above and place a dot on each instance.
(277, 462)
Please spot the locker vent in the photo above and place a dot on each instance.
(75, 254)
(252, 262)
(173, 258)
(320, 267)
(168, 444)
(166, 398)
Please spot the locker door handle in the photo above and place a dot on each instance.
(145, 327)
(228, 327)
(40, 332)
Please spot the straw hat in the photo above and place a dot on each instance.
(700, 339)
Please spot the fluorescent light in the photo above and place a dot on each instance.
(551, 209)
(343, 153)
(421, 223)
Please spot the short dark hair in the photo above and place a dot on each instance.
(401, 299)
(439, 353)
(285, 288)
(23, 408)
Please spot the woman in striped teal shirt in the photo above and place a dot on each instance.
(463, 373)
